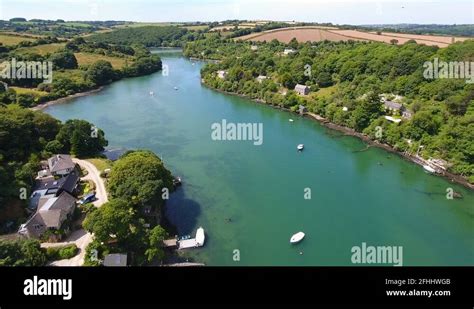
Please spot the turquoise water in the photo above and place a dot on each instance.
(370, 196)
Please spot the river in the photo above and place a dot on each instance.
(250, 199)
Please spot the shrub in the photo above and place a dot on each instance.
(61, 253)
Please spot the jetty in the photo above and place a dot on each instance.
(186, 242)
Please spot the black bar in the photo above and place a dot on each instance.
(284, 285)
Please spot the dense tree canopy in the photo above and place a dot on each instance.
(149, 36)
(140, 177)
(63, 60)
(80, 138)
(21, 253)
(342, 77)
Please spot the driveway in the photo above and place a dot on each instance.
(94, 175)
(82, 238)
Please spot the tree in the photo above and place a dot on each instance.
(324, 80)
(63, 60)
(140, 177)
(366, 112)
(100, 73)
(424, 122)
(156, 237)
(81, 138)
(21, 253)
(113, 221)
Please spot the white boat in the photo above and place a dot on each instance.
(291, 120)
(300, 147)
(297, 238)
(152, 93)
(200, 237)
(429, 169)
(175, 88)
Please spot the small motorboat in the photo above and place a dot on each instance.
(177, 181)
(300, 147)
(429, 169)
(297, 238)
(200, 237)
(152, 93)
(175, 88)
(290, 120)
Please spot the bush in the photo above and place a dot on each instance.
(61, 253)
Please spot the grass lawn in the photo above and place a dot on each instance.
(87, 59)
(34, 92)
(135, 25)
(324, 92)
(195, 28)
(75, 75)
(100, 163)
(8, 40)
(42, 49)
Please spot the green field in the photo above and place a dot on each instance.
(42, 49)
(101, 164)
(75, 75)
(135, 25)
(87, 59)
(9, 40)
(34, 92)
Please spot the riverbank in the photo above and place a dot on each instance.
(351, 132)
(66, 99)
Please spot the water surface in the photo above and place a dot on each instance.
(251, 198)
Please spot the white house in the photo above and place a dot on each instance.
(261, 78)
(222, 74)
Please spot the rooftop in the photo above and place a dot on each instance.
(115, 260)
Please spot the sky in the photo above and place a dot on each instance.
(334, 11)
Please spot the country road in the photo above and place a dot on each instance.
(82, 238)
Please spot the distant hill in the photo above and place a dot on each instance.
(149, 36)
(317, 34)
(452, 30)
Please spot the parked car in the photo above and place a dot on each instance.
(89, 198)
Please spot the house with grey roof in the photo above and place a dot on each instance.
(50, 216)
(46, 188)
(393, 106)
(397, 108)
(302, 89)
(115, 260)
(302, 109)
(60, 165)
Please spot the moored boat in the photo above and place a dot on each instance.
(429, 169)
(200, 236)
(297, 237)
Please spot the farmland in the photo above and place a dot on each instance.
(316, 34)
(42, 49)
(9, 40)
(87, 59)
